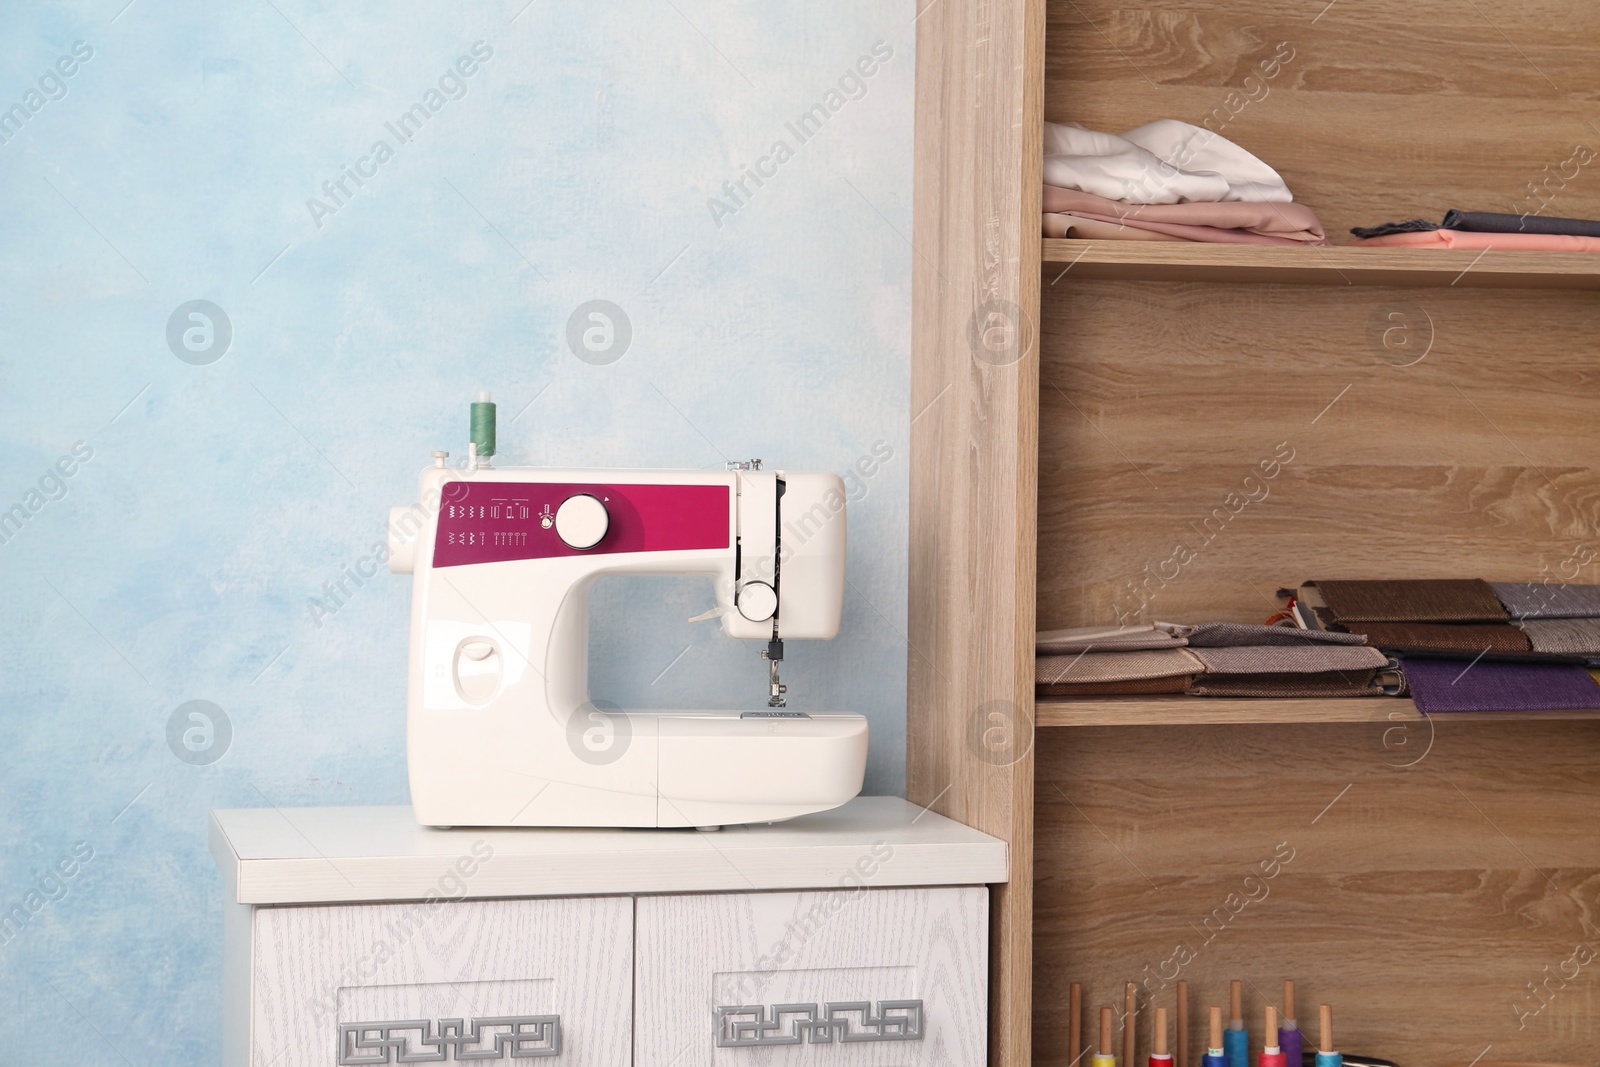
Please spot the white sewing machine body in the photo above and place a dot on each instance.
(500, 727)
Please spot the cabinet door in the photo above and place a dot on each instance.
(453, 981)
(843, 978)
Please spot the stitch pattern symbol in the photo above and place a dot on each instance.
(450, 1040)
(750, 1025)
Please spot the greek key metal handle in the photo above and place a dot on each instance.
(450, 1040)
(751, 1025)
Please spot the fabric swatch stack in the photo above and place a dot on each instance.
(1484, 230)
(1166, 181)
(1467, 645)
(1219, 659)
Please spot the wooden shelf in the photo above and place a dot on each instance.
(1150, 261)
(1215, 711)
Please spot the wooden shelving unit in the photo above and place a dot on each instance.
(1212, 711)
(1080, 408)
(1331, 265)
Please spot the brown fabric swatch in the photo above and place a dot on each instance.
(1103, 639)
(1324, 684)
(1470, 638)
(1569, 637)
(1277, 659)
(1232, 634)
(1413, 600)
(1132, 687)
(1113, 666)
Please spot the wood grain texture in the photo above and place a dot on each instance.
(974, 450)
(1203, 445)
(1419, 900)
(698, 952)
(1069, 262)
(1386, 110)
(1212, 711)
(315, 967)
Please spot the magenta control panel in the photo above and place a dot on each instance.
(492, 522)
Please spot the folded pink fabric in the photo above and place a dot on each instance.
(1209, 234)
(1295, 222)
(1058, 225)
(1504, 242)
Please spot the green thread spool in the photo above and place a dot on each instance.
(483, 424)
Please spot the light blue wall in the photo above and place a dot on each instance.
(179, 561)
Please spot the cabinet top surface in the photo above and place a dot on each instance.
(324, 855)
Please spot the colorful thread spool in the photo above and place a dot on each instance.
(1271, 1052)
(1235, 1041)
(1289, 1038)
(1103, 1056)
(1159, 1056)
(481, 430)
(1215, 1056)
(1326, 1056)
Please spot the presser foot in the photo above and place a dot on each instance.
(773, 654)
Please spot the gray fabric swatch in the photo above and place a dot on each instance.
(1552, 600)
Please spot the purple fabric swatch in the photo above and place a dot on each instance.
(1442, 685)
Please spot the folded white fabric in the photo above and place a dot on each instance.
(1161, 162)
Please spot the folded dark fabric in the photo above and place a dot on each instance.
(1446, 685)
(1467, 638)
(1566, 637)
(1552, 600)
(1229, 634)
(1114, 666)
(1383, 229)
(1104, 639)
(1493, 222)
(1486, 222)
(1283, 659)
(1132, 687)
(1323, 684)
(1412, 600)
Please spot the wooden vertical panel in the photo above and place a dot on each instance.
(974, 451)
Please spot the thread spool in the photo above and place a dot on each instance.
(1289, 1037)
(1214, 1056)
(1182, 1024)
(481, 431)
(1235, 1041)
(1326, 1056)
(1130, 1022)
(1103, 1056)
(1271, 1053)
(1074, 1023)
(1159, 1056)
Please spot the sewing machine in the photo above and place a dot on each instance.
(500, 727)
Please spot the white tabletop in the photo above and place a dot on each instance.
(318, 855)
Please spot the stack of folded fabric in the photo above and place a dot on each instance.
(1282, 661)
(1211, 659)
(1166, 181)
(1111, 661)
(1459, 648)
(1486, 229)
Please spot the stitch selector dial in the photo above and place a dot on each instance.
(582, 521)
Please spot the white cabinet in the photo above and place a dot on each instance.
(844, 978)
(450, 981)
(851, 938)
